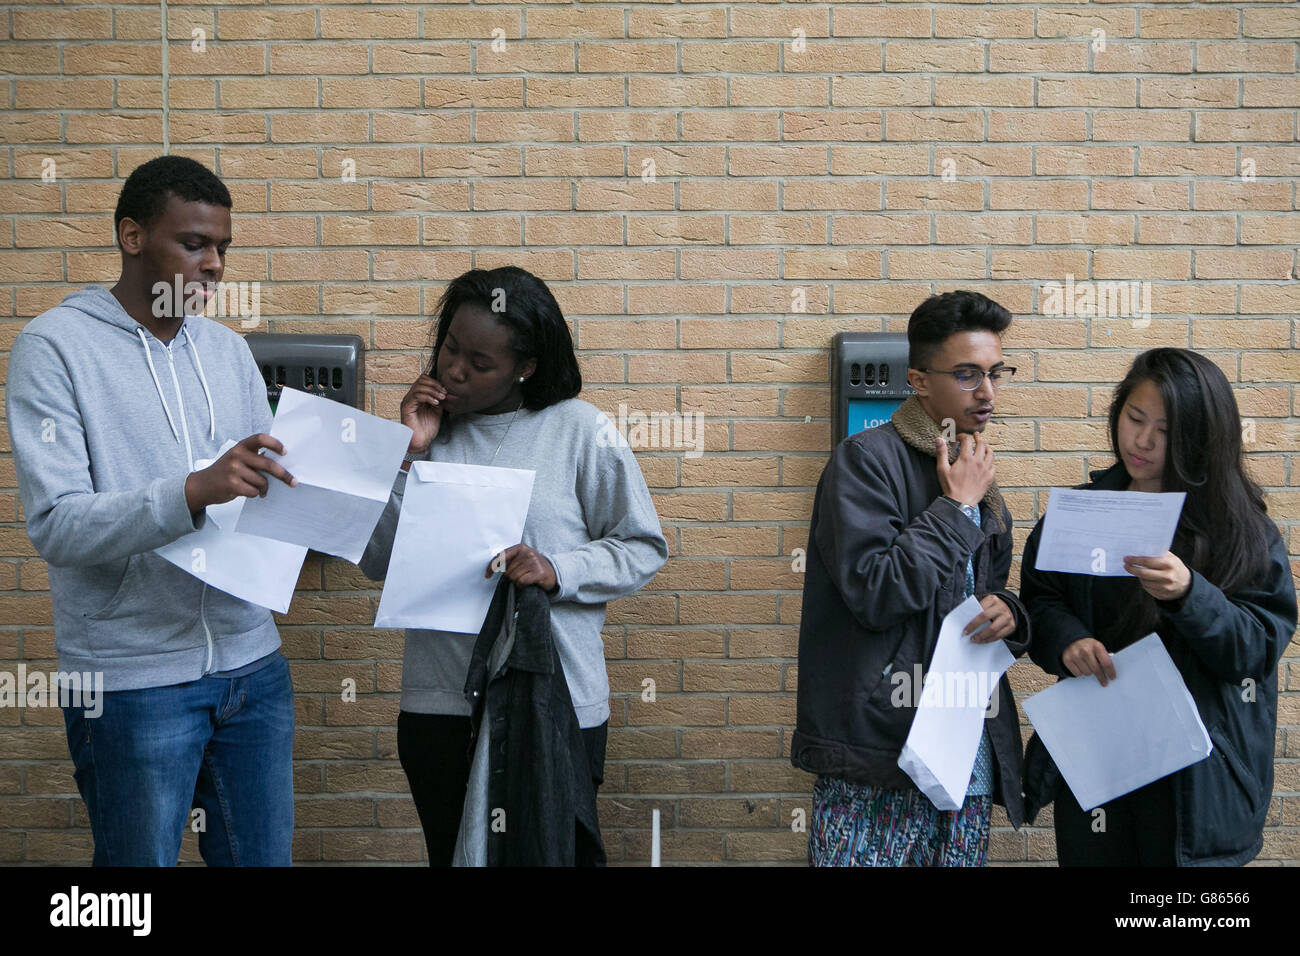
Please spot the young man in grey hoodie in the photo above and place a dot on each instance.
(118, 404)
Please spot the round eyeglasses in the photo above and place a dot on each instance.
(969, 379)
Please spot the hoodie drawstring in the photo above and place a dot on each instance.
(156, 384)
(203, 380)
(212, 416)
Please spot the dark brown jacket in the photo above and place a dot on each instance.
(886, 562)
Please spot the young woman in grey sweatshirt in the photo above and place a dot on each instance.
(501, 391)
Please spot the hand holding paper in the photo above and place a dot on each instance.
(1091, 532)
(258, 570)
(1108, 741)
(344, 461)
(239, 470)
(454, 520)
(940, 751)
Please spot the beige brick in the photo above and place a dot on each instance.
(1080, 23)
(1191, 229)
(1141, 57)
(1086, 91)
(934, 125)
(929, 56)
(673, 368)
(1038, 194)
(1036, 57)
(1188, 91)
(894, 90)
(1245, 57)
(1281, 22)
(1084, 229)
(1242, 126)
(1147, 125)
(1244, 264)
(679, 91)
(783, 209)
(1186, 160)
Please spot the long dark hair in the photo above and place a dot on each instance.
(523, 303)
(1224, 518)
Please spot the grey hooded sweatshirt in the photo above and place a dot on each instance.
(106, 424)
(590, 514)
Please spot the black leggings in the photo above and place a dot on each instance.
(434, 751)
(1139, 829)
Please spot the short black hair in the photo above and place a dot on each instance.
(144, 195)
(523, 303)
(943, 315)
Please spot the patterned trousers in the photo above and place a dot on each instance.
(860, 825)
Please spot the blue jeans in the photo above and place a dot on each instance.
(223, 745)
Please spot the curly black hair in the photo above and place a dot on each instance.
(144, 194)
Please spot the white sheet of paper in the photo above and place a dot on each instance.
(255, 569)
(455, 519)
(1108, 741)
(345, 461)
(939, 754)
(1091, 532)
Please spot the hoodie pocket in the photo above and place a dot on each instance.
(154, 610)
(125, 584)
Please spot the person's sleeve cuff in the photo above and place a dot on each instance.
(172, 511)
(1178, 605)
(952, 515)
(563, 575)
(1018, 640)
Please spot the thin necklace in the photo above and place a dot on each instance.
(503, 437)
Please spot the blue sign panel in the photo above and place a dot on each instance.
(867, 413)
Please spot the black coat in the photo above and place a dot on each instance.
(1224, 645)
(886, 562)
(538, 769)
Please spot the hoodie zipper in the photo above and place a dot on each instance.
(189, 455)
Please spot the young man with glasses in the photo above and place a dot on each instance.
(907, 523)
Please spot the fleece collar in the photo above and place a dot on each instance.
(918, 429)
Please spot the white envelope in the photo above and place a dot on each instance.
(455, 519)
(939, 754)
(345, 461)
(1108, 741)
(255, 569)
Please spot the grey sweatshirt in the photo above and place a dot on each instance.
(590, 514)
(106, 423)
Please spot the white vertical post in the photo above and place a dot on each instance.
(654, 839)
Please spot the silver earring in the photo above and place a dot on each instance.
(521, 378)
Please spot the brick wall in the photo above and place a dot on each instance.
(712, 190)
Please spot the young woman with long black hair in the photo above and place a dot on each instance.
(1223, 602)
(501, 390)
